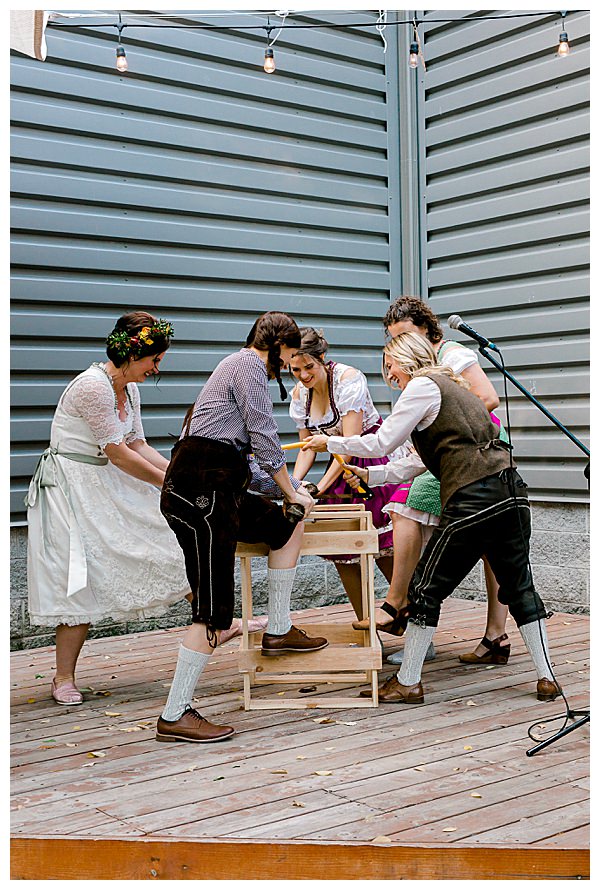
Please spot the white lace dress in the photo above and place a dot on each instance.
(98, 545)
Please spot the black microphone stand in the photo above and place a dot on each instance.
(580, 717)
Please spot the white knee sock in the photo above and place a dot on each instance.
(280, 583)
(190, 665)
(415, 649)
(532, 639)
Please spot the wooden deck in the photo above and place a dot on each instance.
(440, 790)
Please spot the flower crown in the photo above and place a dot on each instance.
(127, 346)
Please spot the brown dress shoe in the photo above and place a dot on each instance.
(295, 640)
(547, 690)
(391, 691)
(191, 727)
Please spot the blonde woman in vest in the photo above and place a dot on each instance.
(485, 509)
(416, 512)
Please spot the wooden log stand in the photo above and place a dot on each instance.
(352, 656)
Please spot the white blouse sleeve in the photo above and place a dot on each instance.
(94, 401)
(352, 394)
(137, 431)
(298, 408)
(417, 408)
(459, 358)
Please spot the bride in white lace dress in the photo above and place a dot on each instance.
(98, 545)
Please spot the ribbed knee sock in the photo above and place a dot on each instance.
(190, 665)
(280, 583)
(415, 649)
(532, 639)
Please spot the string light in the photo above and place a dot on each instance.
(413, 58)
(415, 51)
(269, 63)
(122, 64)
(563, 40)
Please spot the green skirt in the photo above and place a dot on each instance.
(424, 492)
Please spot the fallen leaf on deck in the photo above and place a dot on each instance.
(103, 692)
(471, 704)
(323, 720)
(77, 727)
(46, 747)
(448, 829)
(39, 676)
(47, 741)
(44, 721)
(296, 803)
(420, 768)
(96, 754)
(456, 769)
(490, 667)
(330, 749)
(128, 728)
(281, 693)
(411, 730)
(454, 700)
(300, 757)
(468, 748)
(30, 701)
(566, 622)
(381, 839)
(346, 722)
(474, 794)
(323, 772)
(112, 714)
(279, 772)
(568, 662)
(71, 745)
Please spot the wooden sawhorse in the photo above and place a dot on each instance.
(352, 655)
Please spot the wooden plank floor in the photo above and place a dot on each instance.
(450, 775)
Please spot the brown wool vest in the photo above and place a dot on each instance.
(462, 444)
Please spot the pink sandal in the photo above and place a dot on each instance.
(254, 625)
(66, 694)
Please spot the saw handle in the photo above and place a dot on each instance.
(363, 489)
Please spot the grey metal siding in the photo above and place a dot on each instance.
(204, 190)
(505, 167)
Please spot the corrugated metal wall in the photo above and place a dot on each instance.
(505, 164)
(202, 189)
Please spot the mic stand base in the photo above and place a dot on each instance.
(584, 718)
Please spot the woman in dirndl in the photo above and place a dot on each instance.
(333, 399)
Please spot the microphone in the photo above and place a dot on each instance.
(456, 322)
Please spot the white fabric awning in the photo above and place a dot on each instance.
(27, 32)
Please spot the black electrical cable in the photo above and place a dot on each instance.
(525, 545)
(335, 25)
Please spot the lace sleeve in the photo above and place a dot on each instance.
(94, 401)
(137, 431)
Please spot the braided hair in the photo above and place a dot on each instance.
(269, 333)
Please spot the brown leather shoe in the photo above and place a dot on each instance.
(295, 640)
(191, 727)
(391, 691)
(547, 690)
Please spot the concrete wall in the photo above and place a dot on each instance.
(559, 557)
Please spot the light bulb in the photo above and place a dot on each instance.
(269, 65)
(121, 59)
(563, 44)
(413, 59)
